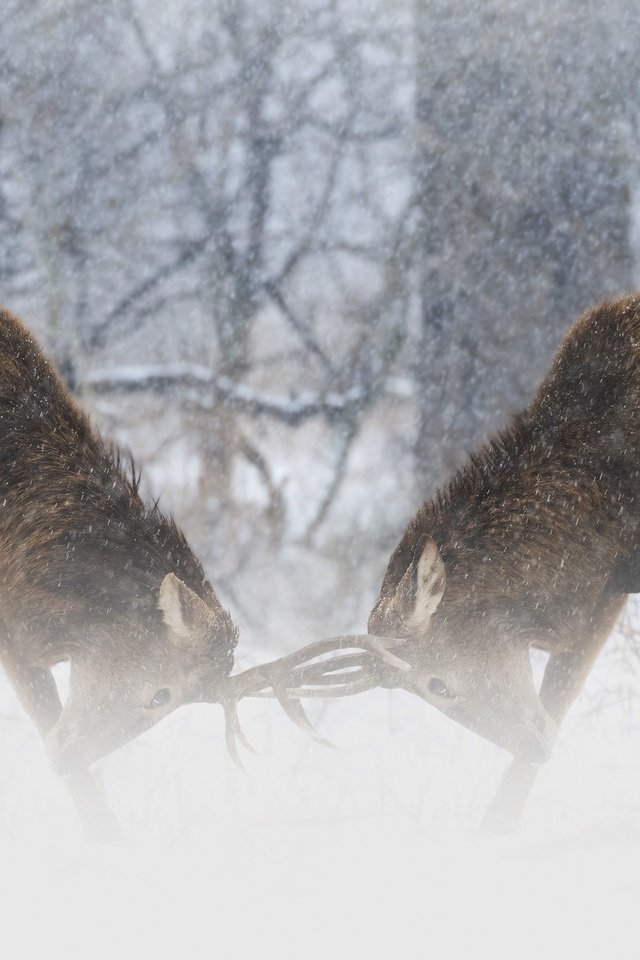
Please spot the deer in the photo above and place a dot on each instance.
(92, 575)
(533, 544)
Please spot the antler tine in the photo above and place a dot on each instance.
(380, 647)
(302, 674)
(297, 714)
(335, 669)
(236, 688)
(340, 676)
(243, 684)
(346, 689)
(318, 678)
(234, 732)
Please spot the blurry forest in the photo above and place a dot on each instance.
(302, 255)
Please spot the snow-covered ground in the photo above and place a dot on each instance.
(370, 850)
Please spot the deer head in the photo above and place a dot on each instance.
(468, 658)
(138, 670)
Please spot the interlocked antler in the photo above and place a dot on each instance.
(304, 674)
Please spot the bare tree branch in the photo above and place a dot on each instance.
(349, 431)
(293, 410)
(277, 509)
(98, 335)
(300, 327)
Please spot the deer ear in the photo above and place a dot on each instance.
(430, 583)
(182, 610)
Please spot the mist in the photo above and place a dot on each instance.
(302, 258)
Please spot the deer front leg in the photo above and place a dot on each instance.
(564, 678)
(36, 689)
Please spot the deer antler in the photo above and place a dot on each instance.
(304, 674)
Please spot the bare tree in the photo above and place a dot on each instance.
(271, 227)
(523, 175)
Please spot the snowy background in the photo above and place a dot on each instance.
(301, 256)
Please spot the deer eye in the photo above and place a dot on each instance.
(438, 688)
(159, 699)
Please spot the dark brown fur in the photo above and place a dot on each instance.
(538, 534)
(82, 561)
(76, 539)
